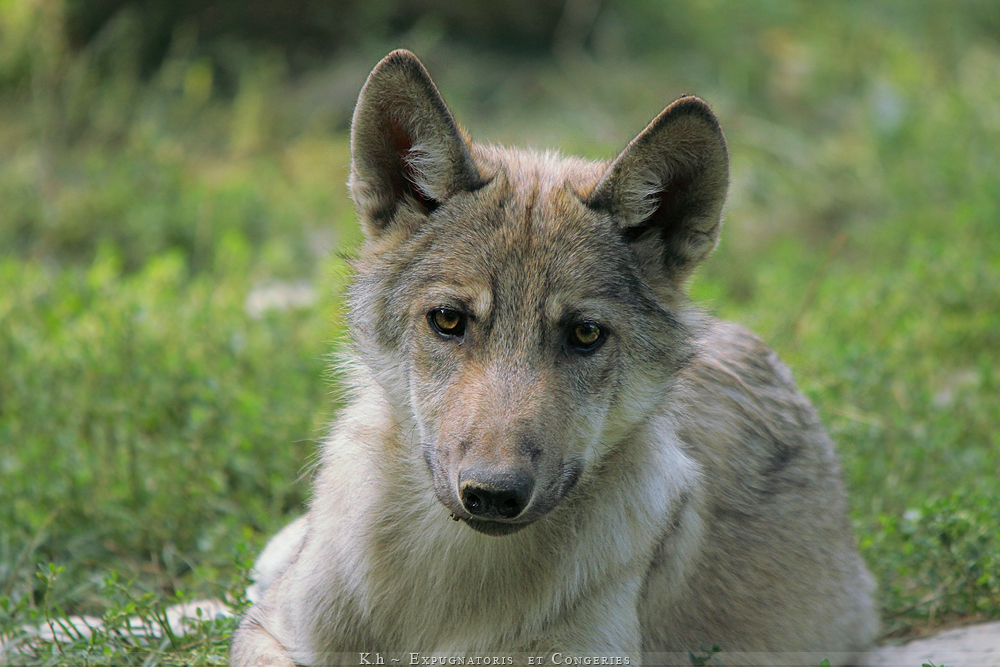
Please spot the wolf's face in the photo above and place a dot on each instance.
(521, 313)
(525, 309)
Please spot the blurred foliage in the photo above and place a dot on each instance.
(171, 197)
(946, 557)
(307, 31)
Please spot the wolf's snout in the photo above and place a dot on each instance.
(495, 495)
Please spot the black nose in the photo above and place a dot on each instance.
(490, 494)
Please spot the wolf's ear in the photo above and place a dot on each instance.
(406, 149)
(666, 189)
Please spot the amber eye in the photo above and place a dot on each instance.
(585, 336)
(447, 322)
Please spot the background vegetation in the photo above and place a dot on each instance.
(172, 203)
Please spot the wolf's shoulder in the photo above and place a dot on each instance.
(745, 419)
(731, 359)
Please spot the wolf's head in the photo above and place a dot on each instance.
(525, 310)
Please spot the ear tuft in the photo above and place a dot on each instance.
(666, 189)
(407, 152)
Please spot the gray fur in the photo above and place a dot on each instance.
(683, 491)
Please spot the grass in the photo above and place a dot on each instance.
(155, 427)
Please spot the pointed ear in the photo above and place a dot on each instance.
(407, 152)
(666, 189)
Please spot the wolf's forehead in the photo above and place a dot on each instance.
(533, 203)
(538, 175)
(550, 267)
(526, 240)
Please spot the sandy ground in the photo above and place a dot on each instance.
(972, 646)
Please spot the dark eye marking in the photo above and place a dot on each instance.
(447, 322)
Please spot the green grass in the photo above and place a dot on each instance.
(152, 427)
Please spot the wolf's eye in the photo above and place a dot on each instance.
(447, 322)
(585, 337)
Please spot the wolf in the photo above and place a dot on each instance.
(548, 454)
